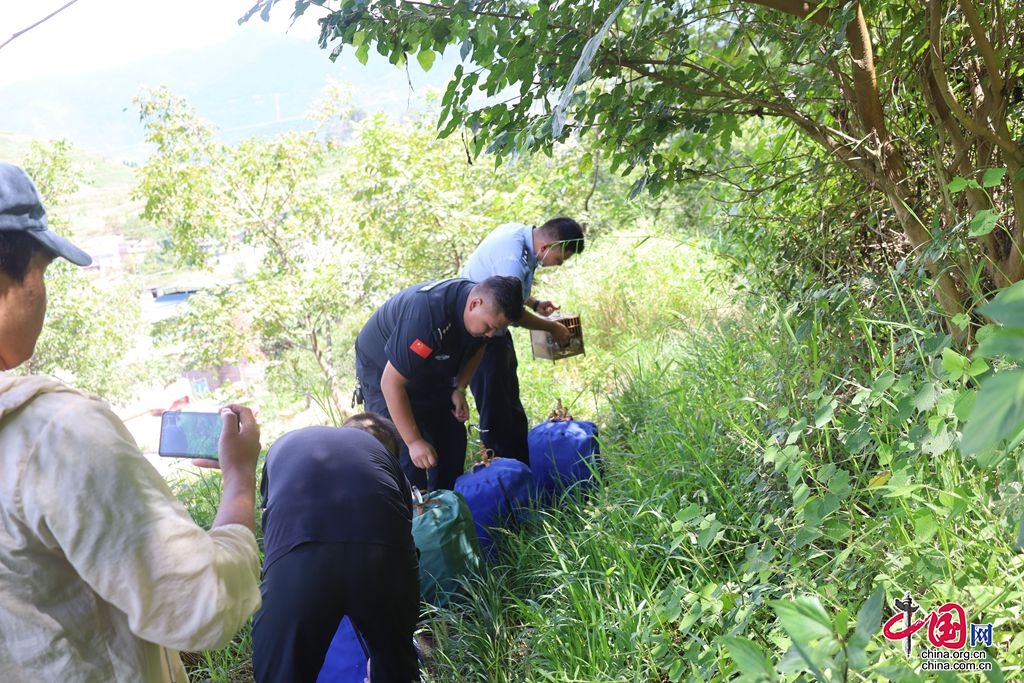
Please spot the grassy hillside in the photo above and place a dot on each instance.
(774, 476)
(769, 488)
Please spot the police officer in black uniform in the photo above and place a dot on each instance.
(415, 357)
(337, 536)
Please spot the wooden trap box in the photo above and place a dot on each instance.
(544, 345)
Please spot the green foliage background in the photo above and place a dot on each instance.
(91, 325)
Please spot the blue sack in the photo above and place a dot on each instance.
(564, 454)
(346, 657)
(497, 490)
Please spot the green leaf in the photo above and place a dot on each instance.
(692, 616)
(959, 184)
(997, 414)
(842, 622)
(707, 536)
(1015, 440)
(839, 484)
(796, 431)
(961, 320)
(1006, 341)
(800, 494)
(992, 177)
(883, 382)
(751, 660)
(965, 404)
(856, 441)
(363, 53)
(688, 513)
(869, 621)
(954, 363)
(803, 618)
(983, 223)
(869, 617)
(926, 397)
(977, 367)
(426, 58)
(989, 459)
(938, 443)
(838, 530)
(925, 525)
(1007, 307)
(826, 410)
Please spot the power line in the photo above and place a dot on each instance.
(47, 17)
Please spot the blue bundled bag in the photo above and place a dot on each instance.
(346, 657)
(564, 454)
(497, 490)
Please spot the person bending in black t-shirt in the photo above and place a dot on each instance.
(415, 357)
(337, 538)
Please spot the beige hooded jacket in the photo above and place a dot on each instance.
(100, 565)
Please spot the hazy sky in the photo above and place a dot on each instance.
(95, 34)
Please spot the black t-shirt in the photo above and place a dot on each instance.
(422, 332)
(332, 484)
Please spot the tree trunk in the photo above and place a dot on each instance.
(979, 139)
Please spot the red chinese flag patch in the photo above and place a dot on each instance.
(421, 349)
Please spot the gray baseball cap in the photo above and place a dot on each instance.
(21, 208)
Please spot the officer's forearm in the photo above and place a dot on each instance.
(393, 386)
(532, 321)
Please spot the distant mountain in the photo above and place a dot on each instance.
(257, 83)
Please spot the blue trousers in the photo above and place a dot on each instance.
(495, 384)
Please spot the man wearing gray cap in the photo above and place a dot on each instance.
(103, 574)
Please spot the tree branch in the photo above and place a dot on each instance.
(988, 54)
(865, 80)
(965, 119)
(816, 14)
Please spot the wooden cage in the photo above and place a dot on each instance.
(544, 345)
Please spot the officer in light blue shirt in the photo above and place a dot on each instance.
(516, 249)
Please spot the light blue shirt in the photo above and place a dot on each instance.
(508, 250)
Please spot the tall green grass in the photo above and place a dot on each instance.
(775, 474)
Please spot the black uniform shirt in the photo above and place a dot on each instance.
(422, 332)
(332, 484)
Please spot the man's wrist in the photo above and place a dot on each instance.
(535, 305)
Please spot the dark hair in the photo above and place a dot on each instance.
(505, 293)
(564, 231)
(377, 426)
(16, 251)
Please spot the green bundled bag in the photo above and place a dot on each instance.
(443, 530)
